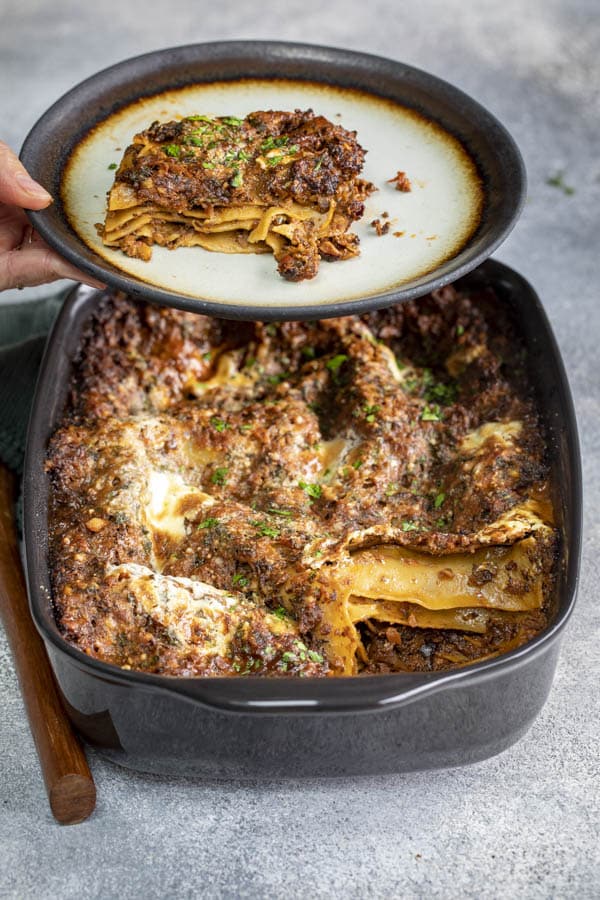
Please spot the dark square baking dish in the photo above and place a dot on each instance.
(237, 727)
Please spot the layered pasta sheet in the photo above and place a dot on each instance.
(386, 584)
(234, 229)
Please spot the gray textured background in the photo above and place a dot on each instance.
(524, 824)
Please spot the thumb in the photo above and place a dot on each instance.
(17, 188)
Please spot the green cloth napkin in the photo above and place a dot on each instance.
(23, 331)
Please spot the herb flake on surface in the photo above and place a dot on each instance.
(431, 413)
(265, 529)
(211, 522)
(218, 424)
(336, 363)
(313, 490)
(558, 181)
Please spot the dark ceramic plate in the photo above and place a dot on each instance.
(261, 727)
(467, 175)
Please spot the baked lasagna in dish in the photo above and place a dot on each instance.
(351, 496)
(280, 182)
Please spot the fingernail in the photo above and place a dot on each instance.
(32, 188)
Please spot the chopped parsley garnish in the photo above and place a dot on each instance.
(277, 379)
(240, 579)
(112, 166)
(357, 463)
(272, 142)
(233, 120)
(460, 329)
(318, 164)
(281, 612)
(288, 656)
(430, 389)
(314, 656)
(248, 427)
(391, 489)
(313, 490)
(439, 500)
(172, 150)
(199, 119)
(208, 165)
(431, 413)
(207, 523)
(218, 424)
(371, 412)
(237, 180)
(309, 352)
(284, 513)
(265, 529)
(409, 526)
(336, 362)
(445, 393)
(219, 476)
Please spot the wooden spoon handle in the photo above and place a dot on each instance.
(69, 783)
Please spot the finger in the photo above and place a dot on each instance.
(13, 227)
(16, 186)
(34, 264)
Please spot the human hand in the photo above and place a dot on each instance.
(25, 259)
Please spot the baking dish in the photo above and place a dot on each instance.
(236, 727)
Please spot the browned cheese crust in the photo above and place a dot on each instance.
(283, 163)
(213, 481)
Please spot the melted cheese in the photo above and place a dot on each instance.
(332, 455)
(227, 374)
(458, 361)
(169, 501)
(387, 352)
(503, 432)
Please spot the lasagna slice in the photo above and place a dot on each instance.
(280, 182)
(346, 497)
